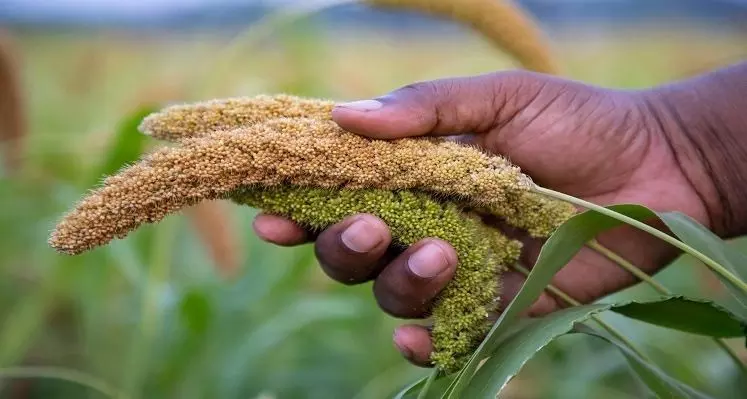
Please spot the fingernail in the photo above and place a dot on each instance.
(262, 229)
(429, 261)
(406, 352)
(362, 105)
(361, 237)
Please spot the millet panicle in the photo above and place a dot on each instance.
(461, 310)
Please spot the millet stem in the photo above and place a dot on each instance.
(640, 274)
(569, 300)
(720, 270)
(424, 392)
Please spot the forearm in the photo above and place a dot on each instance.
(705, 121)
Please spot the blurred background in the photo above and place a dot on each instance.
(197, 306)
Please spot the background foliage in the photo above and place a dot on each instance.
(160, 315)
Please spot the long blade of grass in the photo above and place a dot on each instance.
(508, 358)
(420, 389)
(572, 302)
(691, 315)
(655, 379)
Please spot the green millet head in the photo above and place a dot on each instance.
(460, 314)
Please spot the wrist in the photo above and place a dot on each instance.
(706, 128)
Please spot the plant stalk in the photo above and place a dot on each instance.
(569, 300)
(713, 265)
(640, 274)
(424, 392)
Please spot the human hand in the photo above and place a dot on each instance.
(605, 146)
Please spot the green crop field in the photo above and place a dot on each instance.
(197, 306)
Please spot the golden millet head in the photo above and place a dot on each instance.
(297, 151)
(538, 215)
(177, 122)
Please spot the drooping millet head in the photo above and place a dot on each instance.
(304, 152)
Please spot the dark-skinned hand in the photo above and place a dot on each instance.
(606, 146)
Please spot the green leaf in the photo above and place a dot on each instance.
(691, 239)
(518, 347)
(437, 388)
(559, 249)
(690, 315)
(515, 351)
(703, 240)
(128, 143)
(655, 379)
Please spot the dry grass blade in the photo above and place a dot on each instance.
(13, 127)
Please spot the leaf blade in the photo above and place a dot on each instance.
(437, 388)
(515, 351)
(694, 316)
(519, 347)
(655, 379)
(695, 235)
(559, 249)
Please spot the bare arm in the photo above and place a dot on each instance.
(706, 122)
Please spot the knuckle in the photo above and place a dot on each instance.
(418, 89)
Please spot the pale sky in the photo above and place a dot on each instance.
(120, 7)
(142, 8)
(113, 8)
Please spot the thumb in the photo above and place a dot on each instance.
(441, 107)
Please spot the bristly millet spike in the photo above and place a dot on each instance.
(302, 152)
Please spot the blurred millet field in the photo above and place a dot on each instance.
(197, 306)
